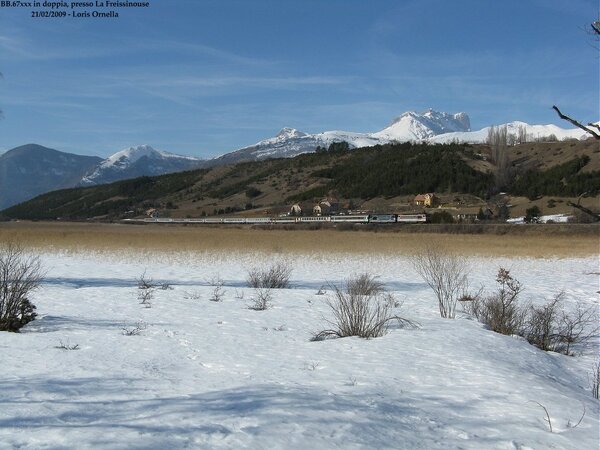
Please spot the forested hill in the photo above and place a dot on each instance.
(359, 175)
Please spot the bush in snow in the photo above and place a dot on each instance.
(262, 299)
(364, 284)
(20, 274)
(500, 311)
(218, 291)
(145, 296)
(446, 274)
(360, 308)
(553, 328)
(145, 282)
(549, 327)
(277, 276)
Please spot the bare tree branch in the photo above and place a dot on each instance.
(574, 122)
(595, 125)
(594, 215)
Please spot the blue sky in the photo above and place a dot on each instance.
(203, 77)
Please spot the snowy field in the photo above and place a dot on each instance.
(206, 374)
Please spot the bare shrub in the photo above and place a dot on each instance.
(66, 346)
(576, 326)
(311, 365)
(570, 425)
(145, 296)
(135, 330)
(262, 299)
(216, 280)
(500, 311)
(20, 274)
(277, 276)
(145, 282)
(361, 309)
(364, 284)
(446, 274)
(218, 293)
(391, 301)
(547, 419)
(594, 380)
(193, 295)
(540, 325)
(551, 327)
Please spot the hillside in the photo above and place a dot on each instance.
(377, 178)
(31, 170)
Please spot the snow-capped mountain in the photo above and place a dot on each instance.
(138, 161)
(430, 126)
(410, 126)
(31, 170)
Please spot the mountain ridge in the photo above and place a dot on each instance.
(143, 160)
(32, 169)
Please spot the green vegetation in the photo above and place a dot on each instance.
(562, 180)
(360, 174)
(532, 215)
(106, 200)
(401, 169)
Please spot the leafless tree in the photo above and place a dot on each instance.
(20, 274)
(446, 274)
(521, 134)
(498, 140)
(591, 128)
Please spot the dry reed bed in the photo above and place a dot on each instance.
(176, 238)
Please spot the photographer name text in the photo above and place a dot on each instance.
(103, 9)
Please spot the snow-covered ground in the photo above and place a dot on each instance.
(219, 375)
(556, 218)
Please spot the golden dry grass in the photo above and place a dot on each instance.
(177, 238)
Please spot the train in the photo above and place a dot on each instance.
(350, 218)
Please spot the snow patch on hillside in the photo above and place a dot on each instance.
(130, 155)
(155, 162)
